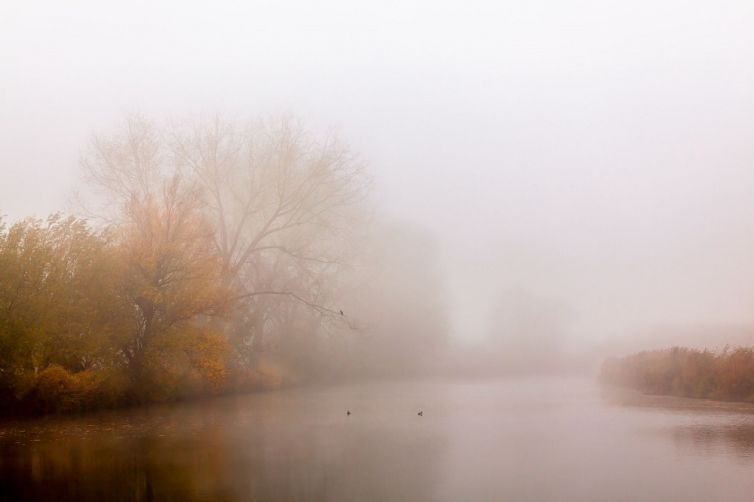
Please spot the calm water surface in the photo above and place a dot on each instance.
(513, 440)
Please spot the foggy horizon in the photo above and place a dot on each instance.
(597, 156)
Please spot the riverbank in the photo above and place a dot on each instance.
(684, 372)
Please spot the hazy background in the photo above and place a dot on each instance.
(594, 156)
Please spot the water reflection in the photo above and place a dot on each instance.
(700, 427)
(718, 439)
(634, 399)
(498, 440)
(237, 449)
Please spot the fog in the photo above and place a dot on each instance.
(581, 170)
(397, 250)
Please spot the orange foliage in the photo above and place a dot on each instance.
(58, 390)
(726, 375)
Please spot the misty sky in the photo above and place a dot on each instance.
(597, 153)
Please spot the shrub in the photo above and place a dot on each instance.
(56, 390)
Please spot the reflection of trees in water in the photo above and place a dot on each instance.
(228, 457)
(124, 469)
(629, 397)
(737, 439)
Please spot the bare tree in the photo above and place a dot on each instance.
(281, 203)
(270, 187)
(125, 167)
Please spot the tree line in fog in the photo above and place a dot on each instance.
(211, 256)
(727, 375)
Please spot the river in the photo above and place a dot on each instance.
(554, 439)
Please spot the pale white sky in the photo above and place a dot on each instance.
(598, 152)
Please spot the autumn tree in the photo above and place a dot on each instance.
(210, 244)
(172, 278)
(58, 304)
(280, 205)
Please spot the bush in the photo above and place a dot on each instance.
(57, 390)
(53, 390)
